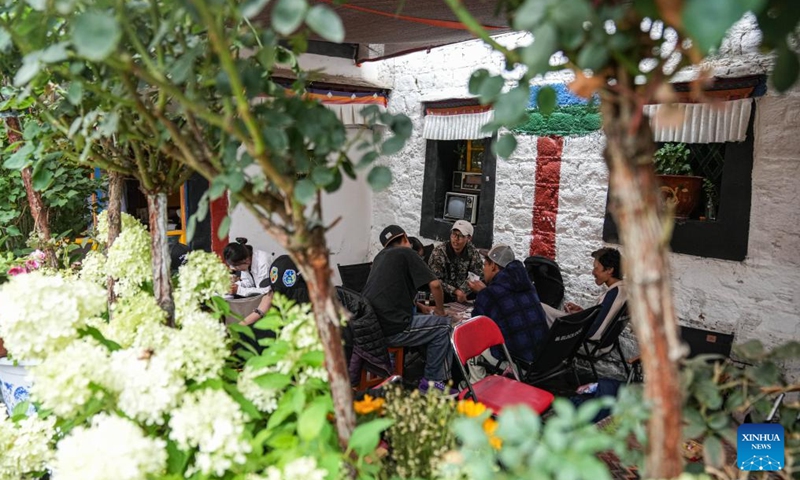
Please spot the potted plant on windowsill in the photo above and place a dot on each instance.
(680, 188)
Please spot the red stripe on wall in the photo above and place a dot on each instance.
(545, 199)
(218, 210)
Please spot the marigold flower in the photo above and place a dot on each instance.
(368, 405)
(470, 408)
(490, 426)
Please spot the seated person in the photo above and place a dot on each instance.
(284, 278)
(397, 273)
(252, 265)
(607, 271)
(511, 301)
(451, 262)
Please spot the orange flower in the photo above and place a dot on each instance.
(490, 426)
(470, 408)
(368, 405)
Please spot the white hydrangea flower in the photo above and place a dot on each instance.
(147, 385)
(303, 468)
(129, 260)
(202, 277)
(113, 448)
(126, 220)
(265, 399)
(153, 336)
(62, 381)
(301, 334)
(24, 446)
(93, 268)
(42, 313)
(129, 314)
(211, 421)
(199, 348)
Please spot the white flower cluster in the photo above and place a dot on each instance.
(147, 385)
(211, 421)
(265, 399)
(303, 468)
(129, 259)
(113, 448)
(63, 381)
(199, 348)
(202, 277)
(93, 268)
(24, 446)
(126, 221)
(42, 313)
(129, 314)
(302, 335)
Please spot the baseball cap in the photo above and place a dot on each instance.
(463, 226)
(500, 254)
(390, 233)
(284, 275)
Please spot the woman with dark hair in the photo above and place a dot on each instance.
(252, 265)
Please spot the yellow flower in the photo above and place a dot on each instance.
(368, 405)
(470, 408)
(490, 426)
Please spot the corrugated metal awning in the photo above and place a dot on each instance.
(703, 122)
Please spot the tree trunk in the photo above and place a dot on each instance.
(315, 260)
(115, 184)
(645, 236)
(39, 211)
(162, 287)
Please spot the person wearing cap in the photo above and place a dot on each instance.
(284, 278)
(397, 273)
(607, 270)
(510, 299)
(452, 261)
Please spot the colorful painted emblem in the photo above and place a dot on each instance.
(273, 274)
(289, 277)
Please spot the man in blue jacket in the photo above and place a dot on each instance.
(510, 299)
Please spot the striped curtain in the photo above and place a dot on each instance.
(703, 122)
(457, 123)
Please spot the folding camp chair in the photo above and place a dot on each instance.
(470, 338)
(546, 276)
(354, 276)
(608, 342)
(557, 354)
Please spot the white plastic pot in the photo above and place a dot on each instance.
(14, 384)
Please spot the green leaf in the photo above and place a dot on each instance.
(325, 23)
(311, 420)
(224, 227)
(190, 229)
(288, 15)
(379, 178)
(304, 191)
(19, 159)
(546, 100)
(393, 145)
(177, 459)
(95, 35)
(505, 146)
(593, 56)
(707, 22)
(95, 333)
(537, 55)
(75, 93)
(366, 436)
(42, 178)
(712, 451)
(750, 349)
(787, 68)
(509, 109)
(29, 69)
(322, 175)
(55, 53)
(273, 381)
(5, 40)
(251, 8)
(530, 14)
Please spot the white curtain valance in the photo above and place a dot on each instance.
(465, 126)
(704, 122)
(350, 113)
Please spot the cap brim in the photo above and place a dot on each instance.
(391, 239)
(484, 252)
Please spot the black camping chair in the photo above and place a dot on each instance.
(354, 276)
(594, 350)
(556, 355)
(363, 338)
(546, 275)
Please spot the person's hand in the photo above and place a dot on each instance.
(461, 297)
(476, 285)
(234, 288)
(424, 309)
(439, 311)
(570, 307)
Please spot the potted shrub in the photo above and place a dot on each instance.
(680, 188)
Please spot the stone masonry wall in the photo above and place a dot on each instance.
(756, 298)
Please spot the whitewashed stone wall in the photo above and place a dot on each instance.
(757, 298)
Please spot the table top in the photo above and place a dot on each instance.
(458, 311)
